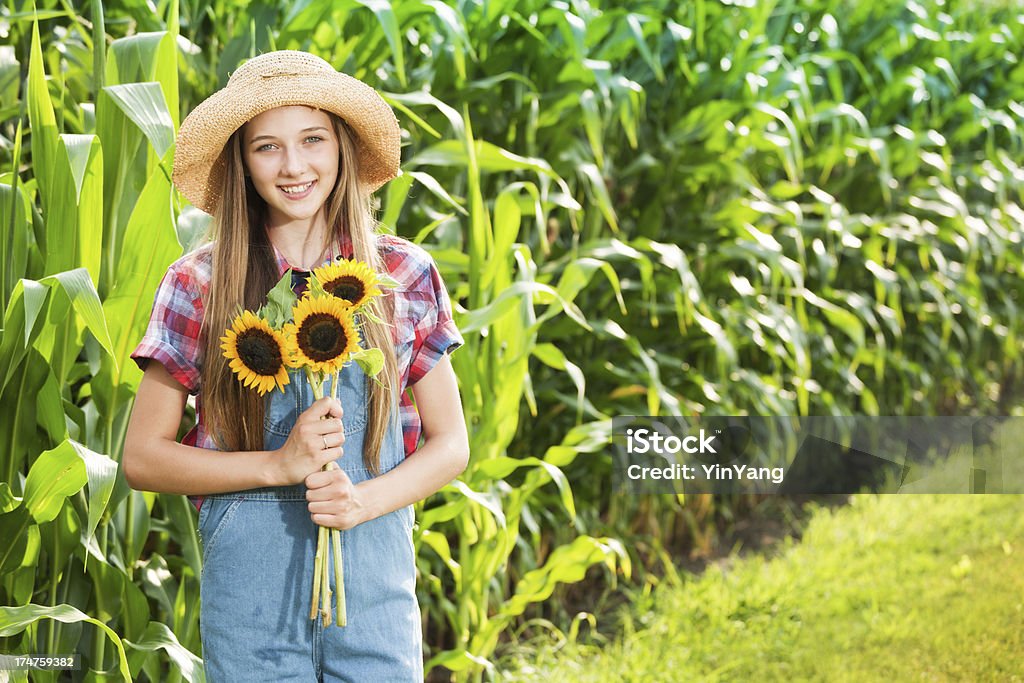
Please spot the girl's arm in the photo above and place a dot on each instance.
(336, 502)
(154, 461)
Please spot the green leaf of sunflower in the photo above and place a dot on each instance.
(316, 288)
(370, 360)
(280, 300)
(386, 281)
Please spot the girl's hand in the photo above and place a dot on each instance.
(333, 499)
(315, 440)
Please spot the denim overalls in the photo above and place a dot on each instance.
(258, 548)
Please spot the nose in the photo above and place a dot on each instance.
(293, 163)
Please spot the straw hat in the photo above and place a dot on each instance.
(279, 79)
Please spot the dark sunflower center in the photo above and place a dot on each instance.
(346, 287)
(322, 337)
(259, 351)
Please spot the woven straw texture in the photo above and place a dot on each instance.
(278, 79)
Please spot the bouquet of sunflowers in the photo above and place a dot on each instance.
(317, 333)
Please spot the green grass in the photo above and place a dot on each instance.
(889, 588)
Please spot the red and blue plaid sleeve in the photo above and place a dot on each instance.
(436, 331)
(172, 336)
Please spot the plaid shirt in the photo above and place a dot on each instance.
(423, 327)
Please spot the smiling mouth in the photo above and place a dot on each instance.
(297, 189)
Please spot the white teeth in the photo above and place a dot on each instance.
(297, 189)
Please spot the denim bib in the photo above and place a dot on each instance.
(258, 548)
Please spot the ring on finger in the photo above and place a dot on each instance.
(324, 438)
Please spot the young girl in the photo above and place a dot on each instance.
(285, 158)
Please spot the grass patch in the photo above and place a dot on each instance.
(911, 587)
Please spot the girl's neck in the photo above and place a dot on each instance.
(301, 243)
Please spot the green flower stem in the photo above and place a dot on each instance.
(339, 577)
(325, 588)
(317, 567)
(321, 602)
(339, 570)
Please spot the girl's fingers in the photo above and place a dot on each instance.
(319, 480)
(332, 439)
(326, 407)
(327, 454)
(331, 426)
(332, 407)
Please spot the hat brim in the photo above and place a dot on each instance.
(199, 162)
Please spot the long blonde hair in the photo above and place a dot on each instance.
(244, 270)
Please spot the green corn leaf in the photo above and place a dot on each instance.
(633, 21)
(592, 125)
(13, 526)
(15, 232)
(50, 408)
(434, 187)
(80, 222)
(109, 586)
(506, 224)
(458, 660)
(841, 318)
(438, 542)
(590, 437)
(150, 246)
(10, 75)
(578, 274)
(427, 229)
(62, 537)
(22, 438)
(15, 620)
(55, 475)
(99, 45)
(8, 501)
(21, 324)
(552, 356)
(382, 9)
(442, 513)
(101, 472)
(566, 564)
(79, 287)
(396, 193)
(122, 170)
(490, 158)
(500, 467)
(404, 100)
(508, 301)
(599, 189)
(134, 58)
(158, 637)
(144, 105)
(578, 32)
(43, 125)
(452, 22)
(483, 500)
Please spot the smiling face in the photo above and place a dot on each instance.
(291, 155)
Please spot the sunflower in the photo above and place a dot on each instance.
(323, 334)
(256, 351)
(351, 280)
